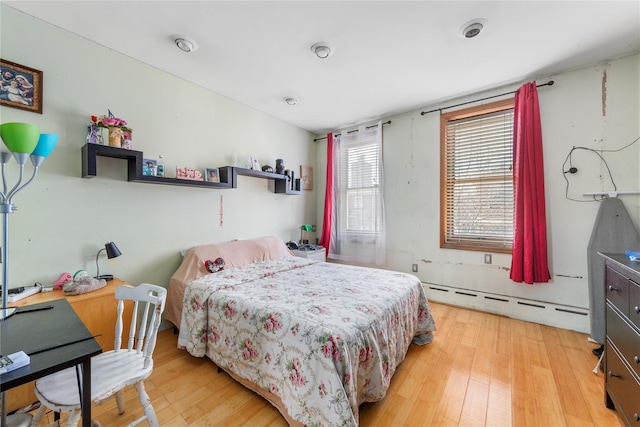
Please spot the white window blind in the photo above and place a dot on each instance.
(477, 189)
(362, 186)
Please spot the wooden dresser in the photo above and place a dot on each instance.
(622, 347)
(97, 310)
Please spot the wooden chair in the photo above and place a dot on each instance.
(114, 370)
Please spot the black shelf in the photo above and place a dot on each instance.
(282, 184)
(134, 168)
(228, 174)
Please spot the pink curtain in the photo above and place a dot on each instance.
(529, 255)
(327, 222)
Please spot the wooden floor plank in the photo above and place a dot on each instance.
(481, 370)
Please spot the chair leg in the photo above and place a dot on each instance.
(152, 419)
(74, 417)
(35, 422)
(120, 401)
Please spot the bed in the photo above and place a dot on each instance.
(316, 339)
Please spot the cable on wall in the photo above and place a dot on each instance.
(573, 169)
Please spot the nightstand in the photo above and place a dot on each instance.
(96, 309)
(317, 254)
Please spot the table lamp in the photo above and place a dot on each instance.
(303, 228)
(112, 252)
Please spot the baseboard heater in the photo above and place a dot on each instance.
(542, 312)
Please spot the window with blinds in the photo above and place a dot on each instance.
(477, 178)
(359, 172)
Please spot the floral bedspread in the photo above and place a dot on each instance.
(323, 337)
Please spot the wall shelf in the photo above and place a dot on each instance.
(228, 174)
(281, 182)
(134, 168)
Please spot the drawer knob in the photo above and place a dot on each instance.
(636, 417)
(613, 288)
(611, 375)
(637, 309)
(636, 359)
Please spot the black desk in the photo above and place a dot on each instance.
(64, 338)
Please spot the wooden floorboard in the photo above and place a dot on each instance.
(480, 370)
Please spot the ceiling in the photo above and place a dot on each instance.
(388, 57)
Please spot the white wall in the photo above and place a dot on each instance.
(63, 220)
(572, 115)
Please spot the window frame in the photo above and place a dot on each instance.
(445, 118)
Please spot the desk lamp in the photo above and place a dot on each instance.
(23, 141)
(303, 228)
(112, 252)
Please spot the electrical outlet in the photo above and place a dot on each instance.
(414, 268)
(313, 228)
(487, 258)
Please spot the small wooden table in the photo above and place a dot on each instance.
(54, 339)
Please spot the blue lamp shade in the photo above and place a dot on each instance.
(20, 137)
(46, 144)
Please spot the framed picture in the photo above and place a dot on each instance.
(306, 176)
(255, 164)
(20, 87)
(212, 175)
(149, 167)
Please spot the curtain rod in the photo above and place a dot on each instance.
(549, 83)
(355, 130)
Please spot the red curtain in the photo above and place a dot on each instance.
(529, 255)
(327, 222)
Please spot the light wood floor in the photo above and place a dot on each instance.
(481, 370)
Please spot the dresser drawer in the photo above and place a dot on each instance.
(634, 303)
(623, 388)
(625, 338)
(617, 290)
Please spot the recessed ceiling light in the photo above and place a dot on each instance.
(290, 100)
(472, 28)
(321, 50)
(185, 44)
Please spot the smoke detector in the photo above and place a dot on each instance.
(185, 44)
(473, 28)
(321, 50)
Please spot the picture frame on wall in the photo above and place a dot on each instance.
(20, 86)
(306, 176)
(212, 175)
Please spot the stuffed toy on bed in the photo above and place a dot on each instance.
(214, 266)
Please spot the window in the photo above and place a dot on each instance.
(359, 232)
(476, 198)
(362, 187)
